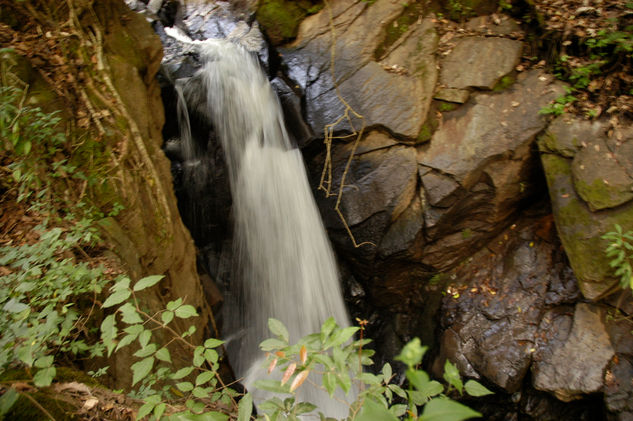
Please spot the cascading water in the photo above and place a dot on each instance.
(285, 267)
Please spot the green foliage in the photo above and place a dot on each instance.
(620, 251)
(34, 141)
(39, 317)
(338, 360)
(559, 105)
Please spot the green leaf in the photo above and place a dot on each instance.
(444, 409)
(342, 336)
(163, 355)
(117, 298)
(146, 351)
(417, 378)
(272, 386)
(183, 372)
(7, 400)
(44, 377)
(141, 369)
(207, 416)
(173, 305)
(452, 377)
(144, 337)
(204, 377)
(474, 388)
(245, 408)
(386, 372)
(127, 339)
(212, 343)
(272, 344)
(199, 392)
(184, 386)
(145, 410)
(278, 329)
(304, 408)
(198, 358)
(186, 311)
(343, 380)
(159, 410)
(15, 306)
(374, 411)
(398, 410)
(147, 282)
(412, 353)
(130, 316)
(167, 317)
(109, 332)
(423, 395)
(398, 391)
(327, 328)
(211, 356)
(329, 382)
(44, 362)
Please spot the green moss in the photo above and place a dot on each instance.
(446, 106)
(399, 26)
(504, 83)
(429, 126)
(280, 19)
(25, 410)
(425, 134)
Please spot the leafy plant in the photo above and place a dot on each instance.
(338, 360)
(186, 392)
(620, 251)
(559, 105)
(38, 301)
(33, 140)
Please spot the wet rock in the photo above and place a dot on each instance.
(290, 101)
(570, 149)
(479, 166)
(394, 91)
(404, 231)
(480, 62)
(380, 187)
(494, 302)
(576, 364)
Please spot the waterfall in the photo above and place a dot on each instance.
(284, 264)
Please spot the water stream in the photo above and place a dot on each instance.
(284, 264)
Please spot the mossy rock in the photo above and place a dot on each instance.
(280, 19)
(581, 230)
(25, 410)
(460, 10)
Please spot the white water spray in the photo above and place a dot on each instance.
(285, 267)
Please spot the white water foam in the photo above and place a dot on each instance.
(285, 267)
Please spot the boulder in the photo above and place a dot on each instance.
(494, 302)
(393, 91)
(572, 363)
(589, 179)
(479, 166)
(380, 191)
(480, 62)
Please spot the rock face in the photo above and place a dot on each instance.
(467, 183)
(590, 178)
(393, 90)
(511, 311)
(572, 362)
(469, 65)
